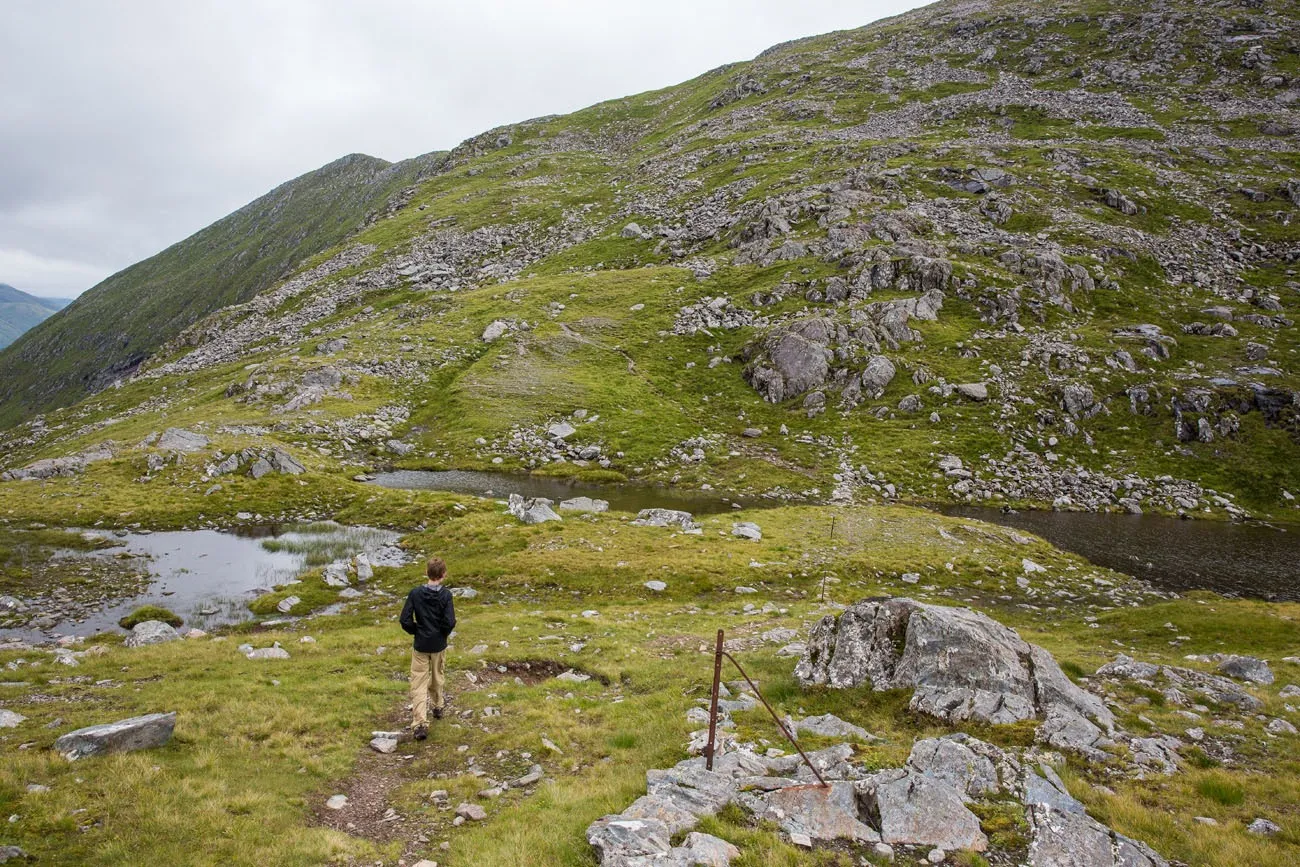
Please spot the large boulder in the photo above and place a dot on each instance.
(666, 518)
(823, 814)
(960, 664)
(532, 511)
(876, 377)
(176, 439)
(1248, 668)
(151, 632)
(921, 810)
(136, 733)
(1074, 839)
(793, 360)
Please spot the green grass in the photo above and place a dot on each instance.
(149, 612)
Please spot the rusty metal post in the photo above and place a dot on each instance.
(713, 705)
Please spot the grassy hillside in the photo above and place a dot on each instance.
(19, 312)
(1015, 253)
(107, 332)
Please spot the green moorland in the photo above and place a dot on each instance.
(260, 745)
(762, 183)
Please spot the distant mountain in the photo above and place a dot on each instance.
(107, 332)
(20, 312)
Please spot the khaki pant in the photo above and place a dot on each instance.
(426, 676)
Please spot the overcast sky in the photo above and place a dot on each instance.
(126, 126)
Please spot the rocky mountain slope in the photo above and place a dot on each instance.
(19, 312)
(123, 320)
(1003, 252)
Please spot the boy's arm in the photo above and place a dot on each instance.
(449, 617)
(408, 616)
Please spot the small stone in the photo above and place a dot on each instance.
(268, 653)
(10, 719)
(472, 812)
(337, 802)
(383, 745)
(656, 586)
(936, 856)
(1263, 827)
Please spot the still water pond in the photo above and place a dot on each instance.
(208, 577)
(1255, 560)
(621, 498)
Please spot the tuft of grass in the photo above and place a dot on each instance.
(150, 612)
(1221, 790)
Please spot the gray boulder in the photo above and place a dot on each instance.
(793, 360)
(976, 391)
(176, 439)
(151, 632)
(268, 653)
(618, 838)
(1075, 839)
(665, 518)
(964, 763)
(584, 504)
(876, 377)
(136, 733)
(920, 810)
(532, 511)
(1248, 668)
(747, 530)
(283, 462)
(831, 726)
(825, 815)
(960, 664)
(10, 719)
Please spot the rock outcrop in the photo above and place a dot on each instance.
(960, 664)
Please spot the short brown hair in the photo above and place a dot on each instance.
(436, 569)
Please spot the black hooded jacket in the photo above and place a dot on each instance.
(430, 617)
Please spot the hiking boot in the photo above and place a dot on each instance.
(437, 713)
(421, 732)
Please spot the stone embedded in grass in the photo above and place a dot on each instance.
(831, 726)
(135, 733)
(151, 632)
(337, 802)
(10, 719)
(383, 745)
(179, 440)
(471, 812)
(1263, 827)
(584, 504)
(747, 530)
(287, 604)
(571, 676)
(276, 652)
(976, 391)
(1247, 668)
(656, 586)
(534, 775)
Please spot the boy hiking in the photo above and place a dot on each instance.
(430, 617)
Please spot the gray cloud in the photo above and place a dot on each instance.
(125, 127)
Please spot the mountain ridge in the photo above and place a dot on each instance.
(968, 229)
(20, 312)
(107, 331)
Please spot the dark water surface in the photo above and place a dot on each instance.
(1251, 559)
(621, 498)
